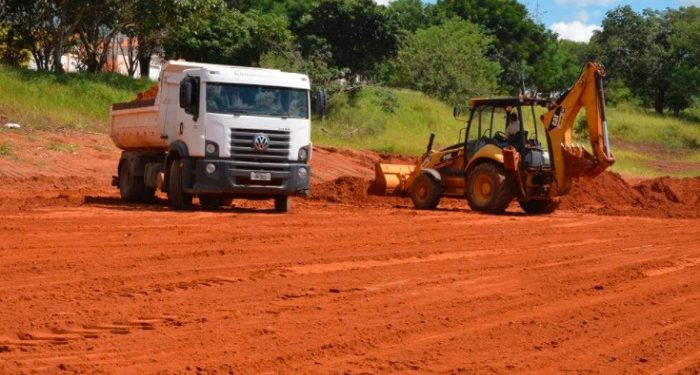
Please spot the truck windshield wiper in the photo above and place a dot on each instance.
(239, 112)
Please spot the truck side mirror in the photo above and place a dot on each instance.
(321, 103)
(189, 95)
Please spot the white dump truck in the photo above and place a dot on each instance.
(216, 132)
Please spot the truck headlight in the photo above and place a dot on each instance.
(302, 173)
(304, 154)
(211, 148)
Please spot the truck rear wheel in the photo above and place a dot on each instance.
(282, 203)
(426, 192)
(489, 188)
(539, 207)
(131, 188)
(179, 200)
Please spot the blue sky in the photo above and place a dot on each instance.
(576, 19)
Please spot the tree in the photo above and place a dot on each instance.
(519, 41)
(408, 15)
(150, 19)
(96, 33)
(214, 33)
(47, 26)
(356, 33)
(447, 61)
(653, 52)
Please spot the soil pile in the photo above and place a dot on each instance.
(609, 194)
(344, 189)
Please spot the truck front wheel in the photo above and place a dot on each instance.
(282, 203)
(131, 188)
(179, 200)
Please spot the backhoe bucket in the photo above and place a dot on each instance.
(389, 178)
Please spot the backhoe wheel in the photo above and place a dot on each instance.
(539, 207)
(282, 203)
(131, 188)
(489, 188)
(426, 192)
(179, 200)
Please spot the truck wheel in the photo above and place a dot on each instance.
(209, 201)
(539, 207)
(426, 192)
(131, 188)
(489, 188)
(282, 203)
(179, 200)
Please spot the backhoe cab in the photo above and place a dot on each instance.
(513, 148)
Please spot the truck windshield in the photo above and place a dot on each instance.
(257, 100)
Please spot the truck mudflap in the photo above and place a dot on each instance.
(221, 176)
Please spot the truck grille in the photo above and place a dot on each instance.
(242, 148)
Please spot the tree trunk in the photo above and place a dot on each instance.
(58, 54)
(660, 101)
(144, 56)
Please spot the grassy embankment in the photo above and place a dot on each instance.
(379, 119)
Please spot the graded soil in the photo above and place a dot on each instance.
(345, 283)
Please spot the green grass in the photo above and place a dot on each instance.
(67, 148)
(634, 125)
(383, 120)
(6, 149)
(39, 100)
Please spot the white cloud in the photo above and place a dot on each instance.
(382, 2)
(576, 30)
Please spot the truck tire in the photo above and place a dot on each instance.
(540, 207)
(131, 188)
(282, 203)
(179, 200)
(426, 192)
(489, 188)
(215, 201)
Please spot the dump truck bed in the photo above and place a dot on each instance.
(134, 125)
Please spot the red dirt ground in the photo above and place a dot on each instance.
(345, 283)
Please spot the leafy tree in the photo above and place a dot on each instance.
(408, 15)
(148, 21)
(47, 26)
(355, 32)
(216, 34)
(447, 61)
(519, 41)
(654, 52)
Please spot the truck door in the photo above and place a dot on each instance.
(189, 127)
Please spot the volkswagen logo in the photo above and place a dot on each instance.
(261, 142)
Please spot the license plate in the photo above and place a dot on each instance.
(260, 176)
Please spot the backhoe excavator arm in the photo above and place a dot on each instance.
(573, 161)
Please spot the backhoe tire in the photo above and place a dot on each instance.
(282, 203)
(540, 207)
(179, 200)
(426, 192)
(131, 188)
(489, 188)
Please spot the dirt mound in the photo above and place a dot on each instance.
(344, 189)
(610, 194)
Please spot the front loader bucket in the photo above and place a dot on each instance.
(389, 178)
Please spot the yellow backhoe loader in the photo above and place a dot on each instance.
(509, 152)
